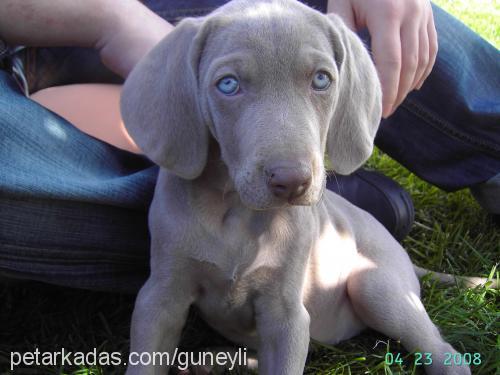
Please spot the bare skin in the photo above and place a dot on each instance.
(404, 42)
(92, 108)
(403, 36)
(122, 32)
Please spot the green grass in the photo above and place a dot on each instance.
(482, 16)
(452, 233)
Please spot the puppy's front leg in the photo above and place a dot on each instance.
(283, 329)
(160, 313)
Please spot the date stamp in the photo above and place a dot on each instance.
(425, 359)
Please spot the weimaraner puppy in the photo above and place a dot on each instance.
(238, 109)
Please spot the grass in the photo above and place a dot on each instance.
(451, 234)
(480, 15)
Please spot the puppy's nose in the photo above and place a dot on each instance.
(288, 182)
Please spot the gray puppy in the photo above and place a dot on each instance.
(238, 109)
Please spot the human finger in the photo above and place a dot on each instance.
(386, 51)
(409, 60)
(423, 55)
(433, 47)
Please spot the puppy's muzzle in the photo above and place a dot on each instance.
(288, 181)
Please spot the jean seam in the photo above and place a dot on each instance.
(444, 127)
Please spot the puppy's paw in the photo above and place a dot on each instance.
(449, 362)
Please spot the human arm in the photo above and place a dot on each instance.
(122, 31)
(404, 42)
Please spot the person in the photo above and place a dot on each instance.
(73, 209)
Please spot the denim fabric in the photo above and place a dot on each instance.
(3, 51)
(73, 210)
(49, 67)
(448, 133)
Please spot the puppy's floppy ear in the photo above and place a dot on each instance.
(358, 109)
(159, 102)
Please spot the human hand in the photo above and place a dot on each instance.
(404, 42)
(130, 36)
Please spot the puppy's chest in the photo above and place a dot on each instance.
(226, 293)
(238, 241)
(243, 259)
(225, 296)
(231, 272)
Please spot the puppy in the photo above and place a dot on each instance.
(238, 109)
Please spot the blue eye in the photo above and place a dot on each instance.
(321, 81)
(228, 85)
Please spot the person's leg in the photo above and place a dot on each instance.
(73, 210)
(448, 133)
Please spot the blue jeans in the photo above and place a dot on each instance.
(73, 209)
(448, 133)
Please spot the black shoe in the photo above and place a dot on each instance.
(379, 195)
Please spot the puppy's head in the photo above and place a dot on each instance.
(275, 83)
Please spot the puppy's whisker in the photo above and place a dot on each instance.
(334, 175)
(337, 182)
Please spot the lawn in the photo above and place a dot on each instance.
(451, 233)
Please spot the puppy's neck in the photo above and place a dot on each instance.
(216, 202)
(215, 176)
(217, 206)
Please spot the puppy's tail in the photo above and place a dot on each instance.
(463, 281)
